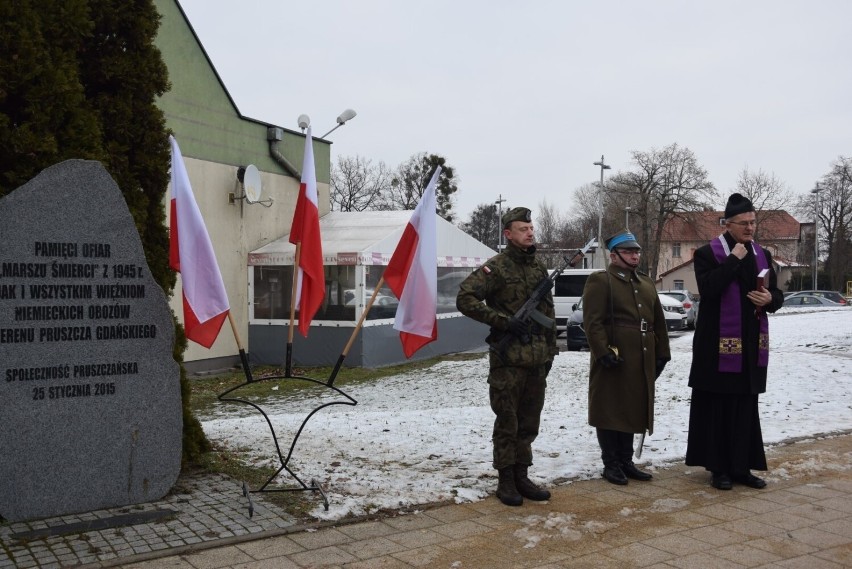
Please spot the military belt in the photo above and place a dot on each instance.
(642, 325)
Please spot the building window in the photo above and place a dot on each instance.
(273, 287)
(676, 250)
(678, 285)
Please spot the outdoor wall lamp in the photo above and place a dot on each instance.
(344, 117)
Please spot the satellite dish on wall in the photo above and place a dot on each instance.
(249, 177)
(251, 184)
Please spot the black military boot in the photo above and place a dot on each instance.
(625, 453)
(507, 492)
(629, 469)
(526, 487)
(613, 473)
(608, 440)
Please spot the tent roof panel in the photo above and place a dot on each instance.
(370, 237)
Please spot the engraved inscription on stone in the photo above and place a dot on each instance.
(89, 390)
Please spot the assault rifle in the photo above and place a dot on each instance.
(529, 311)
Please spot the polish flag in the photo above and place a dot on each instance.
(205, 302)
(412, 275)
(310, 286)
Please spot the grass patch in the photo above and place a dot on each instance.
(233, 463)
(206, 389)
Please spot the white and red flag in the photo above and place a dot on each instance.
(412, 275)
(310, 283)
(205, 301)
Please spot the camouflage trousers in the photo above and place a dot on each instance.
(517, 397)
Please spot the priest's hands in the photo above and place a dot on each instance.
(739, 251)
(760, 297)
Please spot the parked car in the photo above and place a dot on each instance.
(574, 332)
(383, 307)
(829, 294)
(690, 304)
(809, 300)
(567, 291)
(673, 310)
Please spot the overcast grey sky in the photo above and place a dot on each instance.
(522, 97)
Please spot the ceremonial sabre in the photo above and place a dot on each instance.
(638, 453)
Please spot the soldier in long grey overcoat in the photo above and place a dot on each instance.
(492, 294)
(626, 329)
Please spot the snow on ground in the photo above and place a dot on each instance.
(425, 436)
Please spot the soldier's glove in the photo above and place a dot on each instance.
(517, 327)
(661, 365)
(609, 360)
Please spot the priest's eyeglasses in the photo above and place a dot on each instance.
(744, 223)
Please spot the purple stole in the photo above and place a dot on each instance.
(730, 315)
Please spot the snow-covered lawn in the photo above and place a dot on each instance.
(425, 436)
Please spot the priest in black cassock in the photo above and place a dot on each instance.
(731, 350)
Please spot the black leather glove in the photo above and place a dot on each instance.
(517, 327)
(609, 360)
(661, 365)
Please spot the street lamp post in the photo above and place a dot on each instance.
(344, 117)
(627, 217)
(816, 192)
(499, 204)
(347, 115)
(599, 247)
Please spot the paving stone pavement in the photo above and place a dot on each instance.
(803, 519)
(200, 510)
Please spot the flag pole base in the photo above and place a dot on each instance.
(313, 487)
(225, 396)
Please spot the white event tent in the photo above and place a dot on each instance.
(357, 247)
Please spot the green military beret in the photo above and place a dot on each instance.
(516, 214)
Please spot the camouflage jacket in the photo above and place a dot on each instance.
(504, 283)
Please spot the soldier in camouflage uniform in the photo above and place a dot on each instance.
(517, 377)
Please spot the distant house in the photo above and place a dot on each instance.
(777, 231)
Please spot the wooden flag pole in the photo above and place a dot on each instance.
(357, 329)
(243, 355)
(288, 363)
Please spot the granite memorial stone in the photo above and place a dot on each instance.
(90, 402)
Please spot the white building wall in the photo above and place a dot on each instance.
(235, 230)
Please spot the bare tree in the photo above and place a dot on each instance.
(665, 183)
(558, 233)
(584, 218)
(769, 195)
(549, 225)
(357, 184)
(834, 216)
(546, 224)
